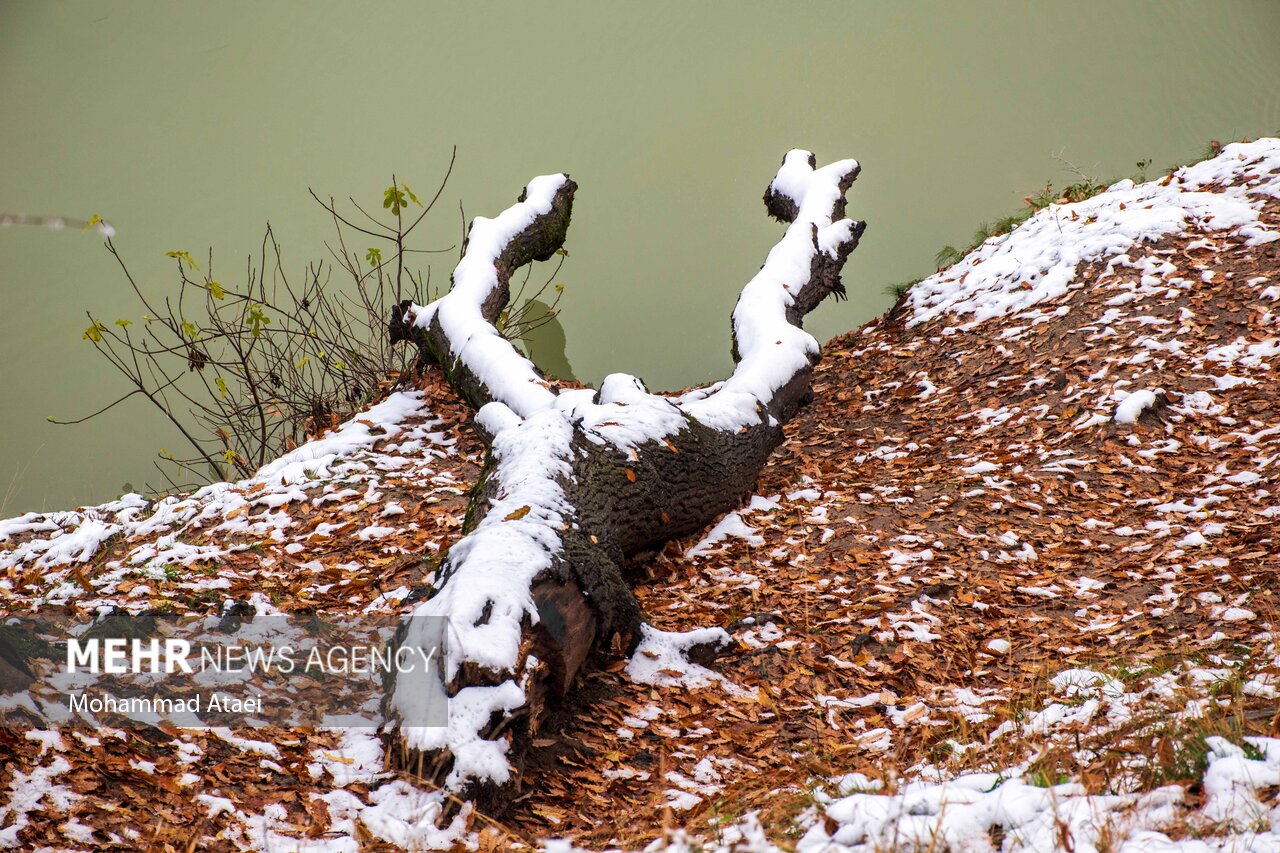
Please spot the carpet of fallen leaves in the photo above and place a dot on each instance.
(954, 519)
(1070, 546)
(343, 552)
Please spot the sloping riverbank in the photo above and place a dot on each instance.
(1010, 583)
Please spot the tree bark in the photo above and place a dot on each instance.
(578, 480)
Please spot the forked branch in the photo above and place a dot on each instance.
(578, 480)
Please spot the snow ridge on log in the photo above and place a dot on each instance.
(577, 480)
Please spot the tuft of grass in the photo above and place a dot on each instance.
(1177, 746)
(899, 289)
(1182, 752)
(1130, 672)
(1213, 149)
(947, 256)
(1045, 777)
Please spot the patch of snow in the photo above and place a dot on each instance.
(1132, 405)
(661, 659)
(1038, 260)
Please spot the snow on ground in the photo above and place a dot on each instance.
(300, 532)
(1038, 260)
(1046, 527)
(1013, 586)
(267, 511)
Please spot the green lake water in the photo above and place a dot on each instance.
(189, 126)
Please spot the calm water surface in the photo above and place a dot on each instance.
(190, 128)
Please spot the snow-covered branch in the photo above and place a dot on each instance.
(459, 329)
(774, 354)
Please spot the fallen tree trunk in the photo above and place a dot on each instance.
(577, 480)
